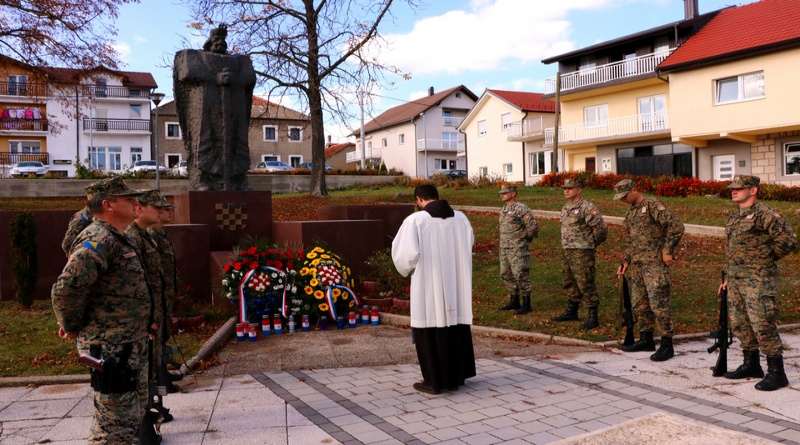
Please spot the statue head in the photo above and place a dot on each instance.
(216, 40)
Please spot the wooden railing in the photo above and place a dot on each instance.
(7, 158)
(22, 89)
(23, 124)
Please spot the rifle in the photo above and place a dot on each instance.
(723, 337)
(150, 429)
(625, 314)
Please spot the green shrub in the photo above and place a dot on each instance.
(24, 261)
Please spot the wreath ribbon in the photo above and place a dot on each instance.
(242, 284)
(329, 298)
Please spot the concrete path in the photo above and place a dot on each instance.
(548, 393)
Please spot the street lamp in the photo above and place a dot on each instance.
(157, 98)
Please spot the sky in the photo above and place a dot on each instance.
(495, 44)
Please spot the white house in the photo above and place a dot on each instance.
(420, 136)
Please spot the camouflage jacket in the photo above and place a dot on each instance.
(151, 260)
(652, 230)
(518, 226)
(102, 292)
(582, 226)
(758, 236)
(77, 223)
(169, 268)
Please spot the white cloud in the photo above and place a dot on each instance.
(124, 51)
(486, 36)
(140, 39)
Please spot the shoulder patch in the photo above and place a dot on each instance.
(91, 245)
(84, 218)
(644, 209)
(527, 216)
(594, 212)
(129, 255)
(662, 208)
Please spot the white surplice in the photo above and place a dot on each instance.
(438, 254)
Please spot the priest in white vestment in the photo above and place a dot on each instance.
(434, 246)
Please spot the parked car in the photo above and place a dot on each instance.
(451, 173)
(148, 166)
(180, 169)
(272, 166)
(25, 168)
(307, 166)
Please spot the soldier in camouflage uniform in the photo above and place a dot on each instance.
(147, 213)
(79, 221)
(101, 299)
(582, 231)
(653, 232)
(757, 237)
(518, 227)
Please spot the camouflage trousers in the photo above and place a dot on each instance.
(117, 416)
(515, 270)
(650, 287)
(578, 270)
(752, 311)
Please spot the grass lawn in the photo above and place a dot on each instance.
(29, 346)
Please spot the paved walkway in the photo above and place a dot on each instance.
(566, 395)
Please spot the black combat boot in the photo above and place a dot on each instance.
(776, 377)
(591, 322)
(750, 368)
(665, 350)
(571, 314)
(512, 304)
(526, 306)
(644, 343)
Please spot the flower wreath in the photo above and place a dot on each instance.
(326, 282)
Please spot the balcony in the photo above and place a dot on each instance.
(437, 145)
(606, 73)
(16, 124)
(639, 124)
(101, 91)
(529, 128)
(22, 89)
(116, 125)
(7, 158)
(371, 153)
(453, 121)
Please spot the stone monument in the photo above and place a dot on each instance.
(213, 96)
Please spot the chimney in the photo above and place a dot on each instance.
(430, 91)
(690, 9)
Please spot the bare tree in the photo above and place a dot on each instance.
(315, 51)
(68, 33)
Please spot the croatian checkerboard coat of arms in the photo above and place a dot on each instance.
(231, 216)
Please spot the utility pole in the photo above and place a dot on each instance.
(363, 149)
(557, 121)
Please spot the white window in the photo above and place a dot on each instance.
(508, 168)
(482, 127)
(136, 111)
(105, 158)
(100, 87)
(402, 139)
(97, 158)
(295, 160)
(740, 88)
(449, 140)
(384, 142)
(115, 158)
(369, 145)
(505, 119)
(24, 146)
(17, 85)
(136, 154)
(270, 133)
(791, 153)
(540, 162)
(653, 113)
(483, 171)
(173, 130)
(265, 158)
(595, 116)
(295, 134)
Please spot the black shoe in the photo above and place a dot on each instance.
(424, 387)
(776, 377)
(751, 367)
(512, 304)
(591, 322)
(571, 314)
(525, 308)
(645, 343)
(665, 350)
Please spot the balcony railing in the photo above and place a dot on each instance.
(116, 125)
(529, 127)
(453, 121)
(437, 144)
(22, 89)
(628, 125)
(23, 124)
(371, 153)
(7, 158)
(607, 73)
(107, 91)
(462, 148)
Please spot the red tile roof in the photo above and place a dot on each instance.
(408, 110)
(740, 31)
(129, 78)
(526, 101)
(336, 148)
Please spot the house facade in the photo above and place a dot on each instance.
(276, 133)
(419, 137)
(739, 76)
(615, 108)
(504, 136)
